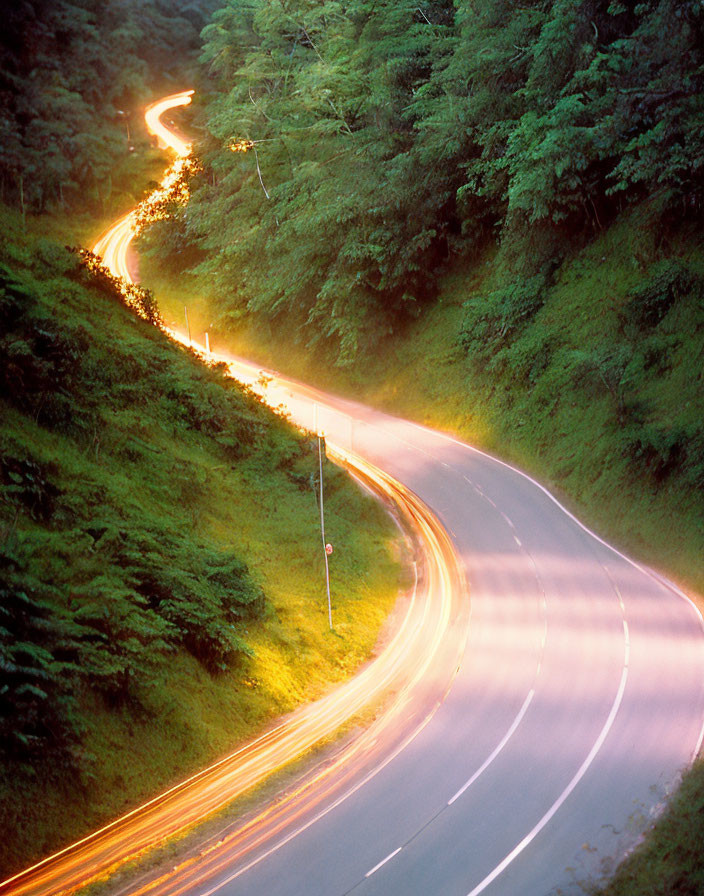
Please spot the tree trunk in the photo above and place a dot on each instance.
(24, 211)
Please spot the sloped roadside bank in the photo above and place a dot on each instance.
(164, 591)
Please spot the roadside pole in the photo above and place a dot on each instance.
(188, 326)
(322, 527)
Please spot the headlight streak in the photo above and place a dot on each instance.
(339, 777)
(113, 246)
(385, 685)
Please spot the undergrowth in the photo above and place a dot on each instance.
(161, 581)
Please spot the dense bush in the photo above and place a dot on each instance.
(384, 138)
(495, 318)
(667, 282)
(94, 586)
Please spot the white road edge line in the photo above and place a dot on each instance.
(566, 792)
(383, 861)
(671, 586)
(652, 573)
(499, 747)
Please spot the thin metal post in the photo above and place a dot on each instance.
(188, 326)
(322, 529)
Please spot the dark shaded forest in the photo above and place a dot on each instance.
(73, 76)
(382, 139)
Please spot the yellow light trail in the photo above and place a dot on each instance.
(113, 246)
(385, 685)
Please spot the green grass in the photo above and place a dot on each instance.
(161, 553)
(669, 861)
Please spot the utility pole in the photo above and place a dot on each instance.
(322, 527)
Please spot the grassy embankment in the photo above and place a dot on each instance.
(594, 386)
(163, 588)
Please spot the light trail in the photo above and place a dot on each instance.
(113, 246)
(385, 685)
(167, 138)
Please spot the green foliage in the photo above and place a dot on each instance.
(37, 658)
(668, 282)
(135, 297)
(73, 76)
(495, 318)
(668, 862)
(125, 583)
(388, 137)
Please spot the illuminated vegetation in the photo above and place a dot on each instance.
(173, 191)
(137, 298)
(163, 591)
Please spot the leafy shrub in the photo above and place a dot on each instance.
(37, 707)
(527, 359)
(95, 587)
(602, 370)
(28, 484)
(667, 282)
(659, 450)
(492, 319)
(693, 466)
(138, 299)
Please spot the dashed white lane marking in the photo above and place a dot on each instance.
(383, 861)
(499, 747)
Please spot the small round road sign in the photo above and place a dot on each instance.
(328, 549)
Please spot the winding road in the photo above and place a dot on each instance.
(537, 704)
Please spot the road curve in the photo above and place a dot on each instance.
(113, 246)
(565, 717)
(398, 691)
(401, 687)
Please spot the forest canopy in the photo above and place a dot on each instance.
(383, 138)
(71, 74)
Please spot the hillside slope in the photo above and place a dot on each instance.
(163, 593)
